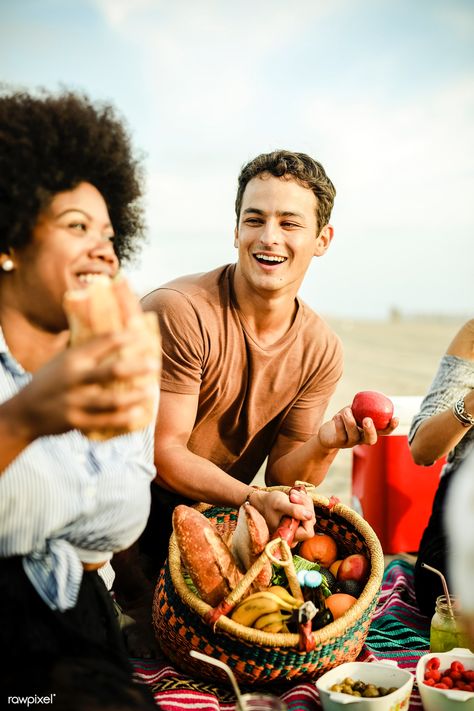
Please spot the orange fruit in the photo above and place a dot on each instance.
(335, 567)
(339, 603)
(321, 548)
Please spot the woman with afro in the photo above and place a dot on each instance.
(70, 213)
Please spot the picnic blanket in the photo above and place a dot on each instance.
(398, 631)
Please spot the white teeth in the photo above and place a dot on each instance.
(89, 278)
(268, 258)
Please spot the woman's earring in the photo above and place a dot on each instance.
(8, 265)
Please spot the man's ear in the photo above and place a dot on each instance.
(323, 240)
(236, 237)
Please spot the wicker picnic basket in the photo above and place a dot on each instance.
(257, 657)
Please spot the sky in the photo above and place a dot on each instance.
(381, 92)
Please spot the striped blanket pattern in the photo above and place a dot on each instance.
(398, 631)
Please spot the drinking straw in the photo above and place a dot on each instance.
(227, 669)
(445, 586)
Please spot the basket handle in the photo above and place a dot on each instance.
(306, 641)
(286, 530)
(228, 603)
(276, 550)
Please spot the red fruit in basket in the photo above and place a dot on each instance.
(320, 548)
(354, 567)
(370, 403)
(433, 663)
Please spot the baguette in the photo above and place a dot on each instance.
(107, 306)
(248, 542)
(205, 555)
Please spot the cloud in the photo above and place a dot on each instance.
(118, 12)
(457, 18)
(204, 60)
(407, 160)
(247, 20)
(224, 82)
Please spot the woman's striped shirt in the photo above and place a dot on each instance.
(66, 499)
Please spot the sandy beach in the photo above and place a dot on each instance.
(397, 357)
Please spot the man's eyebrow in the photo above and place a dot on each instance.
(282, 213)
(289, 213)
(254, 210)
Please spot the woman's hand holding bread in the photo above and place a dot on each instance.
(107, 382)
(73, 391)
(110, 307)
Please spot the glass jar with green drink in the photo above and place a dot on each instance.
(446, 629)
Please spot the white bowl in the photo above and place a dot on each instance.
(385, 673)
(445, 699)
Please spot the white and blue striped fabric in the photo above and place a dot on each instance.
(65, 499)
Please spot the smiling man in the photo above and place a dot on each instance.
(248, 368)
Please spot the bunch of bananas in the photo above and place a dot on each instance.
(268, 610)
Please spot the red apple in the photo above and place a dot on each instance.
(369, 403)
(354, 567)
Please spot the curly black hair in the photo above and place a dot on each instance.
(52, 142)
(289, 165)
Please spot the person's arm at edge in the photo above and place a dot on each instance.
(439, 434)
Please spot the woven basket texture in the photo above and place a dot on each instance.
(256, 657)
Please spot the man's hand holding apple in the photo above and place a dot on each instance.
(370, 415)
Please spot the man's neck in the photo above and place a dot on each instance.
(269, 315)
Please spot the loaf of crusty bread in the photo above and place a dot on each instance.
(248, 542)
(206, 557)
(107, 306)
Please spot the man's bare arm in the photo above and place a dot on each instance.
(190, 475)
(179, 469)
(293, 459)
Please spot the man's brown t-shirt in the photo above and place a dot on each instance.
(247, 394)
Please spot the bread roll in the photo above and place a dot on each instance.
(206, 557)
(250, 537)
(106, 306)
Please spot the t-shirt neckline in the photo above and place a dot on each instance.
(291, 333)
